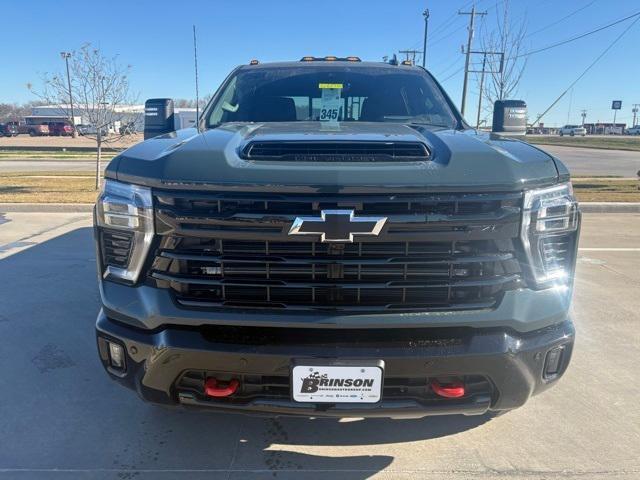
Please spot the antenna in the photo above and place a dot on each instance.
(195, 59)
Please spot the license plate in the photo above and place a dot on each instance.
(336, 384)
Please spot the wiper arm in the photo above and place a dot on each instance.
(426, 124)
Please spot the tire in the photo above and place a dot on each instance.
(32, 133)
(572, 134)
(561, 133)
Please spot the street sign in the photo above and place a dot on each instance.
(616, 105)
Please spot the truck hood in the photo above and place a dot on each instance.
(460, 161)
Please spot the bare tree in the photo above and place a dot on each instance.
(508, 38)
(15, 112)
(191, 103)
(100, 90)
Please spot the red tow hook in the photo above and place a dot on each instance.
(211, 388)
(453, 389)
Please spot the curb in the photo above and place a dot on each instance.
(585, 207)
(617, 148)
(56, 148)
(610, 207)
(46, 207)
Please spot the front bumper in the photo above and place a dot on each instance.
(512, 364)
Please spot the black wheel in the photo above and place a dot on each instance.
(32, 133)
(561, 134)
(572, 134)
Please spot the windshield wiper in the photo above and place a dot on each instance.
(426, 124)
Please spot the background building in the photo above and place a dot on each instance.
(604, 128)
(125, 114)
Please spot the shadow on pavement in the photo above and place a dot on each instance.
(64, 412)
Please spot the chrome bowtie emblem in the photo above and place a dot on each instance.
(337, 225)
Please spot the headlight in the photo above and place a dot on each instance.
(124, 216)
(550, 224)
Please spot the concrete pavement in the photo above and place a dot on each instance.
(580, 161)
(593, 161)
(61, 417)
(36, 166)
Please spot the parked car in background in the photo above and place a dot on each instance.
(573, 130)
(9, 129)
(34, 130)
(84, 129)
(60, 129)
(128, 128)
(634, 130)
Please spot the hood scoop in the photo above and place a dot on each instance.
(336, 151)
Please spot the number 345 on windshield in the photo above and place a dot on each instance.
(329, 114)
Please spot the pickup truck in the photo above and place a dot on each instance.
(333, 239)
(572, 130)
(59, 129)
(34, 130)
(9, 129)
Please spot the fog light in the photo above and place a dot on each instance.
(553, 362)
(116, 355)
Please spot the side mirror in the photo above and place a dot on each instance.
(509, 117)
(158, 117)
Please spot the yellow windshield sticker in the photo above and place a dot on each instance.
(330, 85)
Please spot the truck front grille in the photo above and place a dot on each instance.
(439, 252)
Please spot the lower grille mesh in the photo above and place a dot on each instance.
(438, 275)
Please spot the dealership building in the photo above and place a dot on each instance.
(124, 114)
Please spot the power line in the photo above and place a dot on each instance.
(447, 23)
(564, 42)
(455, 62)
(604, 52)
(453, 74)
(444, 26)
(560, 20)
(410, 55)
(463, 26)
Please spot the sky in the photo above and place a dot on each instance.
(155, 38)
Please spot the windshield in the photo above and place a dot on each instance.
(331, 94)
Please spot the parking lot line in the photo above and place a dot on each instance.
(609, 249)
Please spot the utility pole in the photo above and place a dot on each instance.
(424, 45)
(484, 71)
(583, 114)
(65, 56)
(472, 19)
(635, 113)
(484, 64)
(410, 53)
